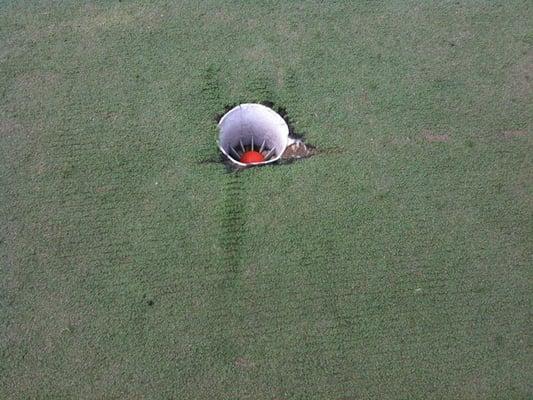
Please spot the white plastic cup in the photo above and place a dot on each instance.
(253, 125)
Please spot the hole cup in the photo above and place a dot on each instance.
(253, 127)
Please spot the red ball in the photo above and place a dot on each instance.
(252, 156)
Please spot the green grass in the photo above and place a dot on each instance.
(397, 266)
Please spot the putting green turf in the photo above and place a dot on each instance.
(396, 263)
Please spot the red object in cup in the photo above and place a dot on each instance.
(252, 156)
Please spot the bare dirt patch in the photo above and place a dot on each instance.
(432, 137)
(298, 150)
(513, 134)
(244, 363)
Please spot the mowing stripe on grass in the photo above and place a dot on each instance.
(232, 221)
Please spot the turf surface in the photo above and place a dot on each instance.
(396, 263)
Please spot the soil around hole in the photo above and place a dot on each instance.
(298, 150)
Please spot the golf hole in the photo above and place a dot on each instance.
(254, 134)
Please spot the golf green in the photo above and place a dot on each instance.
(395, 263)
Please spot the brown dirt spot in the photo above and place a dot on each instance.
(298, 150)
(432, 137)
(103, 189)
(244, 363)
(514, 134)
